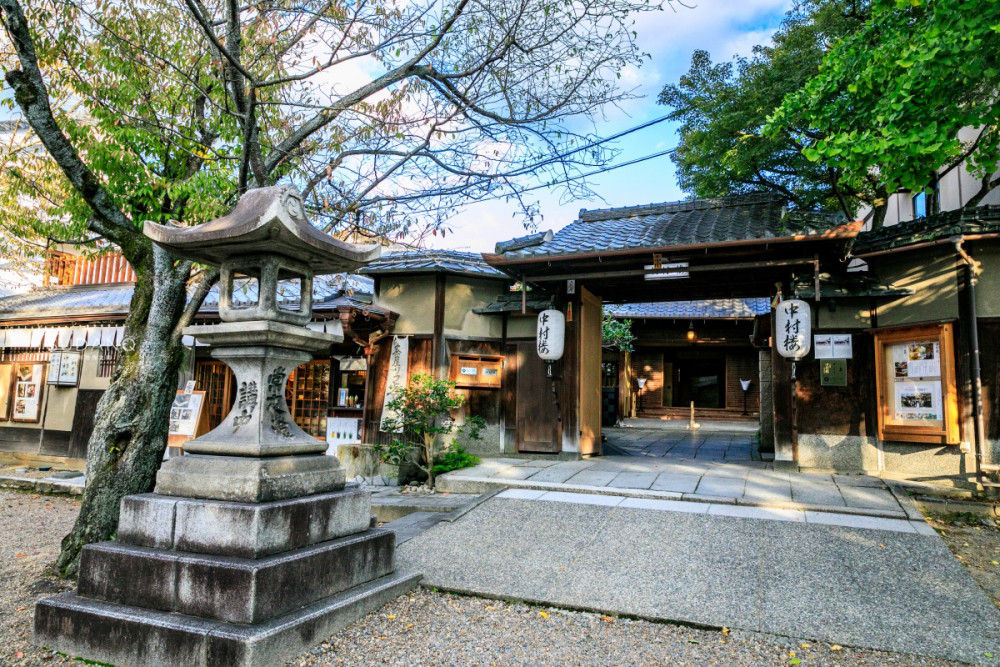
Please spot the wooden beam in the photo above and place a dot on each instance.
(738, 266)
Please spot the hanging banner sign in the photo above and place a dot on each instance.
(399, 354)
(793, 328)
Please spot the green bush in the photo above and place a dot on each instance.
(455, 458)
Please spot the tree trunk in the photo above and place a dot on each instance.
(130, 431)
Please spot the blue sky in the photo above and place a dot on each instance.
(722, 27)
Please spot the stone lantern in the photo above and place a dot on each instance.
(252, 548)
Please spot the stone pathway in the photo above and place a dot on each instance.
(701, 468)
(701, 445)
(886, 584)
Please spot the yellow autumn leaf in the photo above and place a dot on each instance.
(543, 614)
(804, 645)
(836, 647)
(725, 631)
(995, 562)
(391, 618)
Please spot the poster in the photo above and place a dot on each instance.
(27, 391)
(917, 360)
(184, 414)
(918, 401)
(398, 366)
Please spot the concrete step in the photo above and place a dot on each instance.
(124, 635)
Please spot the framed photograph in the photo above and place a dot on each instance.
(185, 414)
(29, 380)
(917, 392)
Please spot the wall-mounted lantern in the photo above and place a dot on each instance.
(691, 335)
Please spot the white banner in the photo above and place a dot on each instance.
(399, 353)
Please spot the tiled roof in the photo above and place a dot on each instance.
(432, 261)
(511, 303)
(683, 223)
(704, 309)
(112, 300)
(978, 220)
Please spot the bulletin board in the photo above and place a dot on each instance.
(188, 418)
(917, 393)
(29, 383)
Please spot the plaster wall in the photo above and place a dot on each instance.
(988, 282)
(89, 368)
(849, 314)
(521, 326)
(931, 274)
(61, 404)
(413, 298)
(462, 295)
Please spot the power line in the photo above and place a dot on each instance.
(592, 144)
(601, 170)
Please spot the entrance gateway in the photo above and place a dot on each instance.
(734, 253)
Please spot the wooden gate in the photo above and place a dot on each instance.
(537, 417)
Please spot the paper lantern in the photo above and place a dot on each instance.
(551, 335)
(793, 328)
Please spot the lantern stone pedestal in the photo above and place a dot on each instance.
(251, 549)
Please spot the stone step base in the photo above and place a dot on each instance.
(247, 530)
(235, 590)
(129, 636)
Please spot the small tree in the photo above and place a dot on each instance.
(617, 333)
(422, 411)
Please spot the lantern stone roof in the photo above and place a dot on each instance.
(724, 309)
(264, 220)
(416, 262)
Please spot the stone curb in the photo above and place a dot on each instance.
(486, 484)
(951, 505)
(905, 501)
(40, 485)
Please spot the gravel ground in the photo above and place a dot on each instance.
(30, 473)
(32, 527)
(422, 628)
(975, 541)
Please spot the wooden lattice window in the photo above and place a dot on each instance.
(107, 361)
(308, 395)
(216, 380)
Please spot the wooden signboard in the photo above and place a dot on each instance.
(188, 418)
(917, 393)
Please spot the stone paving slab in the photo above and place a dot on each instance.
(881, 589)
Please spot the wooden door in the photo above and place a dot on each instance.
(538, 427)
(668, 384)
(590, 374)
